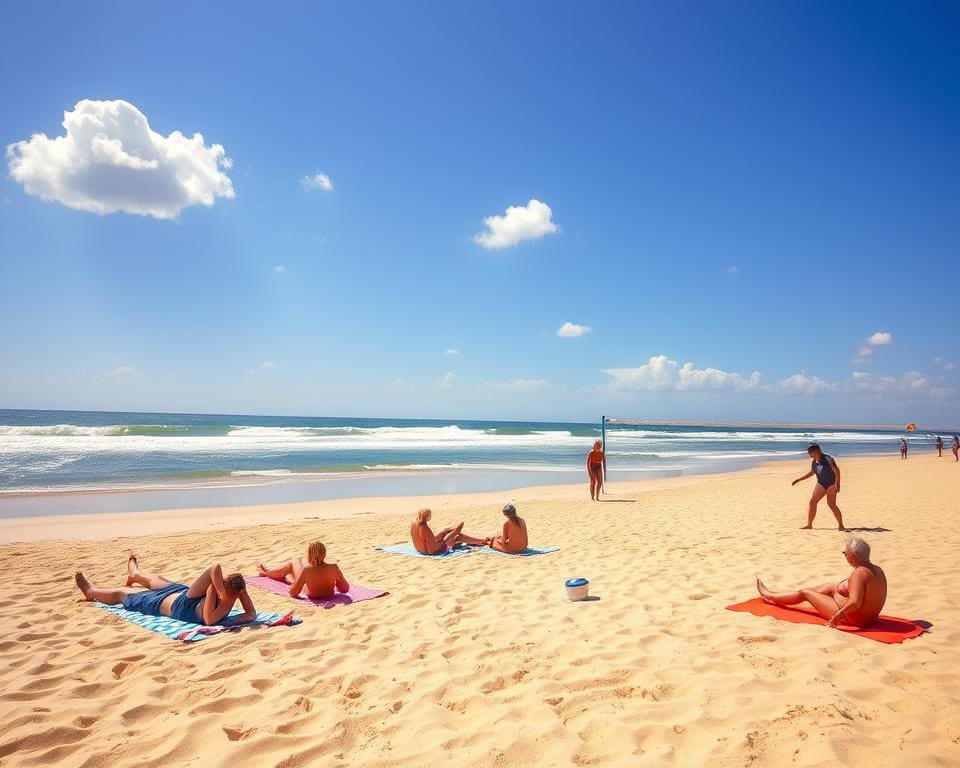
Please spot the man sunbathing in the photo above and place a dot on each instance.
(428, 543)
(514, 536)
(207, 601)
(855, 601)
(320, 579)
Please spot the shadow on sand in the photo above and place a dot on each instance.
(865, 529)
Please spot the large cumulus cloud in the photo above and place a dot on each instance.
(110, 160)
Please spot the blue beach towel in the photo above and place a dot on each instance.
(187, 632)
(528, 552)
(409, 549)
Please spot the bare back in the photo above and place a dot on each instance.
(514, 537)
(321, 581)
(873, 582)
(423, 539)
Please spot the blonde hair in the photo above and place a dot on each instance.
(423, 515)
(316, 551)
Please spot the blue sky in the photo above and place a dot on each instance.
(484, 210)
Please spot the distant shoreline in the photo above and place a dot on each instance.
(778, 425)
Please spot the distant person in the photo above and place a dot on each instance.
(428, 543)
(856, 601)
(955, 447)
(939, 445)
(207, 600)
(596, 468)
(321, 579)
(903, 447)
(825, 468)
(513, 538)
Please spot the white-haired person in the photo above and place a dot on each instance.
(855, 601)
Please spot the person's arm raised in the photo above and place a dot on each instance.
(249, 612)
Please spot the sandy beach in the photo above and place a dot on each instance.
(481, 659)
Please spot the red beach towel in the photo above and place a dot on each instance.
(886, 629)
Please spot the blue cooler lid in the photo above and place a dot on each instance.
(580, 582)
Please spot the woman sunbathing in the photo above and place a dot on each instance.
(857, 600)
(428, 543)
(514, 536)
(207, 601)
(320, 579)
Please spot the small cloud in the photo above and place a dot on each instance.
(280, 269)
(937, 360)
(733, 269)
(110, 159)
(123, 370)
(316, 181)
(864, 355)
(572, 330)
(661, 374)
(519, 223)
(446, 383)
(880, 339)
(950, 366)
(452, 352)
(518, 386)
(268, 364)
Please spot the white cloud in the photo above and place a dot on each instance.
(801, 384)
(110, 160)
(280, 269)
(446, 383)
(123, 370)
(317, 181)
(530, 222)
(733, 269)
(937, 360)
(572, 330)
(660, 373)
(950, 366)
(268, 364)
(452, 351)
(864, 355)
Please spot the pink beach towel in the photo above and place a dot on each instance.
(355, 595)
(886, 629)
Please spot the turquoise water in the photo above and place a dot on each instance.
(45, 452)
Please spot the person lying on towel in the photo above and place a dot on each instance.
(320, 578)
(856, 601)
(428, 543)
(208, 600)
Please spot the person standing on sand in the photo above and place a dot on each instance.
(955, 447)
(828, 484)
(596, 469)
(903, 447)
(939, 445)
(856, 601)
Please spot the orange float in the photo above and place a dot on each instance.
(911, 427)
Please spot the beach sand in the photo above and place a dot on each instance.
(480, 659)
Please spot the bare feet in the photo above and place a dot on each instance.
(261, 569)
(83, 583)
(764, 592)
(806, 527)
(132, 569)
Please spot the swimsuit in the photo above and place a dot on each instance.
(824, 471)
(148, 603)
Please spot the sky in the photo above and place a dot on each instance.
(529, 211)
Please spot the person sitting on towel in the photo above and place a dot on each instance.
(855, 601)
(513, 539)
(207, 600)
(428, 543)
(321, 579)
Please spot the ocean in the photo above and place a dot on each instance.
(210, 459)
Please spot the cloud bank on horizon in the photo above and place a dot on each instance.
(110, 160)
